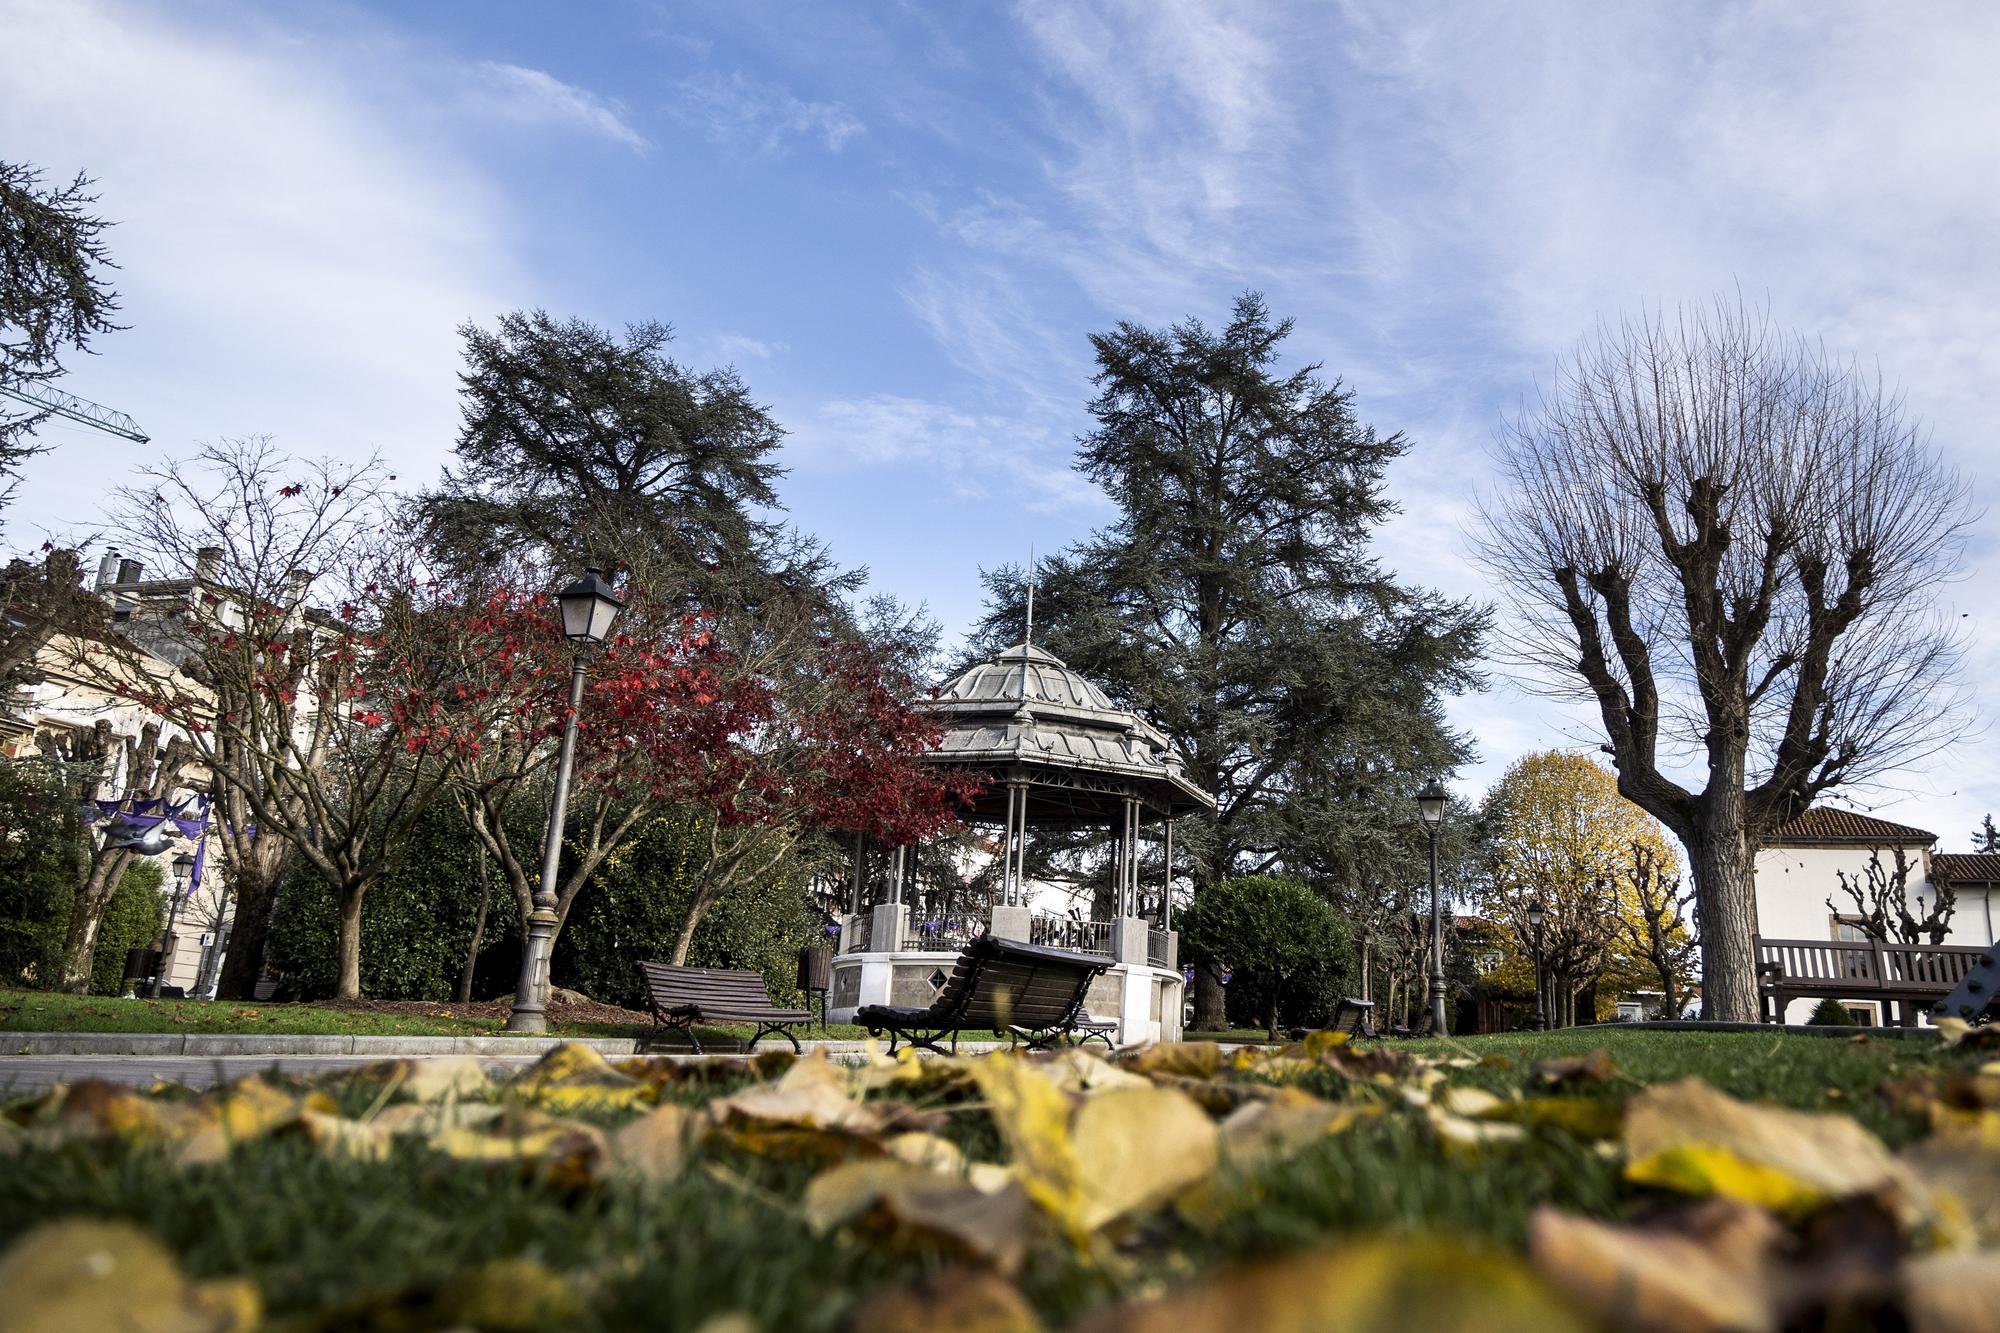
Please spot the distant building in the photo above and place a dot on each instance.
(1799, 867)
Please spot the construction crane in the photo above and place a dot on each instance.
(76, 409)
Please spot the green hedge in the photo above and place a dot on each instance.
(132, 920)
(1277, 936)
(41, 844)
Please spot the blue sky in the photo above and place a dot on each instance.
(900, 222)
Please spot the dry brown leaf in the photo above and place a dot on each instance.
(961, 1300)
(1952, 1293)
(1963, 1178)
(430, 1117)
(1596, 1067)
(1656, 1281)
(1431, 1284)
(1081, 1072)
(77, 1275)
(335, 1136)
(432, 1078)
(567, 1152)
(656, 1144)
(1686, 1136)
(1187, 1059)
(575, 1077)
(238, 1112)
(911, 1207)
(1136, 1148)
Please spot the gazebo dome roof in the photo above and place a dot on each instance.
(1024, 714)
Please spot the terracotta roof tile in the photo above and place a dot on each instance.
(1967, 867)
(1826, 824)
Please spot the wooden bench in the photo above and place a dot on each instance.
(1354, 1017)
(680, 997)
(1014, 990)
(1912, 975)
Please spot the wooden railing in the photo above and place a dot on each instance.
(1842, 967)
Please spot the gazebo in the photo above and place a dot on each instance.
(1056, 752)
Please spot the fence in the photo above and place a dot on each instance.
(1063, 932)
(1160, 947)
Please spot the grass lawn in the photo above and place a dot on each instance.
(334, 1242)
(40, 1011)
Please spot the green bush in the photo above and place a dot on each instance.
(1289, 952)
(41, 843)
(132, 920)
(1831, 1013)
(415, 923)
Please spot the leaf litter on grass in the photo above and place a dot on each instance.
(1744, 1215)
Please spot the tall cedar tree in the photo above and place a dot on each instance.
(54, 296)
(1731, 544)
(1234, 603)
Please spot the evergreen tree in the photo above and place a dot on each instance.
(1235, 604)
(1986, 838)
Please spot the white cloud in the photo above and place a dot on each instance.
(1001, 458)
(534, 97)
(735, 345)
(291, 262)
(733, 108)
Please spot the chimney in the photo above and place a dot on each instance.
(296, 583)
(107, 570)
(128, 571)
(208, 563)
(123, 601)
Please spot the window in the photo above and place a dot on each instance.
(1851, 928)
(1863, 1015)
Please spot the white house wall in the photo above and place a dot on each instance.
(1794, 883)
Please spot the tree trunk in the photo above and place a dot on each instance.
(1721, 859)
(348, 986)
(86, 914)
(1210, 1013)
(1271, 1016)
(478, 933)
(1367, 983)
(243, 965)
(684, 937)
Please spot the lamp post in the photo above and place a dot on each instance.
(589, 605)
(183, 864)
(1430, 804)
(1536, 914)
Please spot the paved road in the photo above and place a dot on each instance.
(25, 1073)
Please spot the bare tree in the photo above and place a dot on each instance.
(1882, 901)
(106, 766)
(1731, 543)
(308, 660)
(1659, 927)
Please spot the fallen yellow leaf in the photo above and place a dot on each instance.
(77, 1275)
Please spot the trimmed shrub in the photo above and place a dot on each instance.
(1831, 1013)
(1290, 954)
(41, 846)
(132, 920)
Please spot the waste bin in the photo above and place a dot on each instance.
(140, 963)
(816, 974)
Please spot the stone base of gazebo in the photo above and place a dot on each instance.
(1141, 991)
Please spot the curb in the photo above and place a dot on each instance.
(206, 1045)
(1789, 1029)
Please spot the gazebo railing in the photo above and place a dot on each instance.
(1159, 947)
(860, 933)
(1065, 932)
(945, 932)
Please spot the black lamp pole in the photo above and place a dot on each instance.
(589, 605)
(1535, 915)
(1431, 802)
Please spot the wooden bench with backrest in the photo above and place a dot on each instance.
(1912, 975)
(1354, 1017)
(1013, 990)
(680, 997)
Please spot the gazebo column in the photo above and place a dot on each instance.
(891, 919)
(1128, 928)
(1012, 919)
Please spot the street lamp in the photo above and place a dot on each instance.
(1431, 802)
(183, 866)
(1536, 914)
(588, 605)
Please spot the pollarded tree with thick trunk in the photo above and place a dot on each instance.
(1732, 544)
